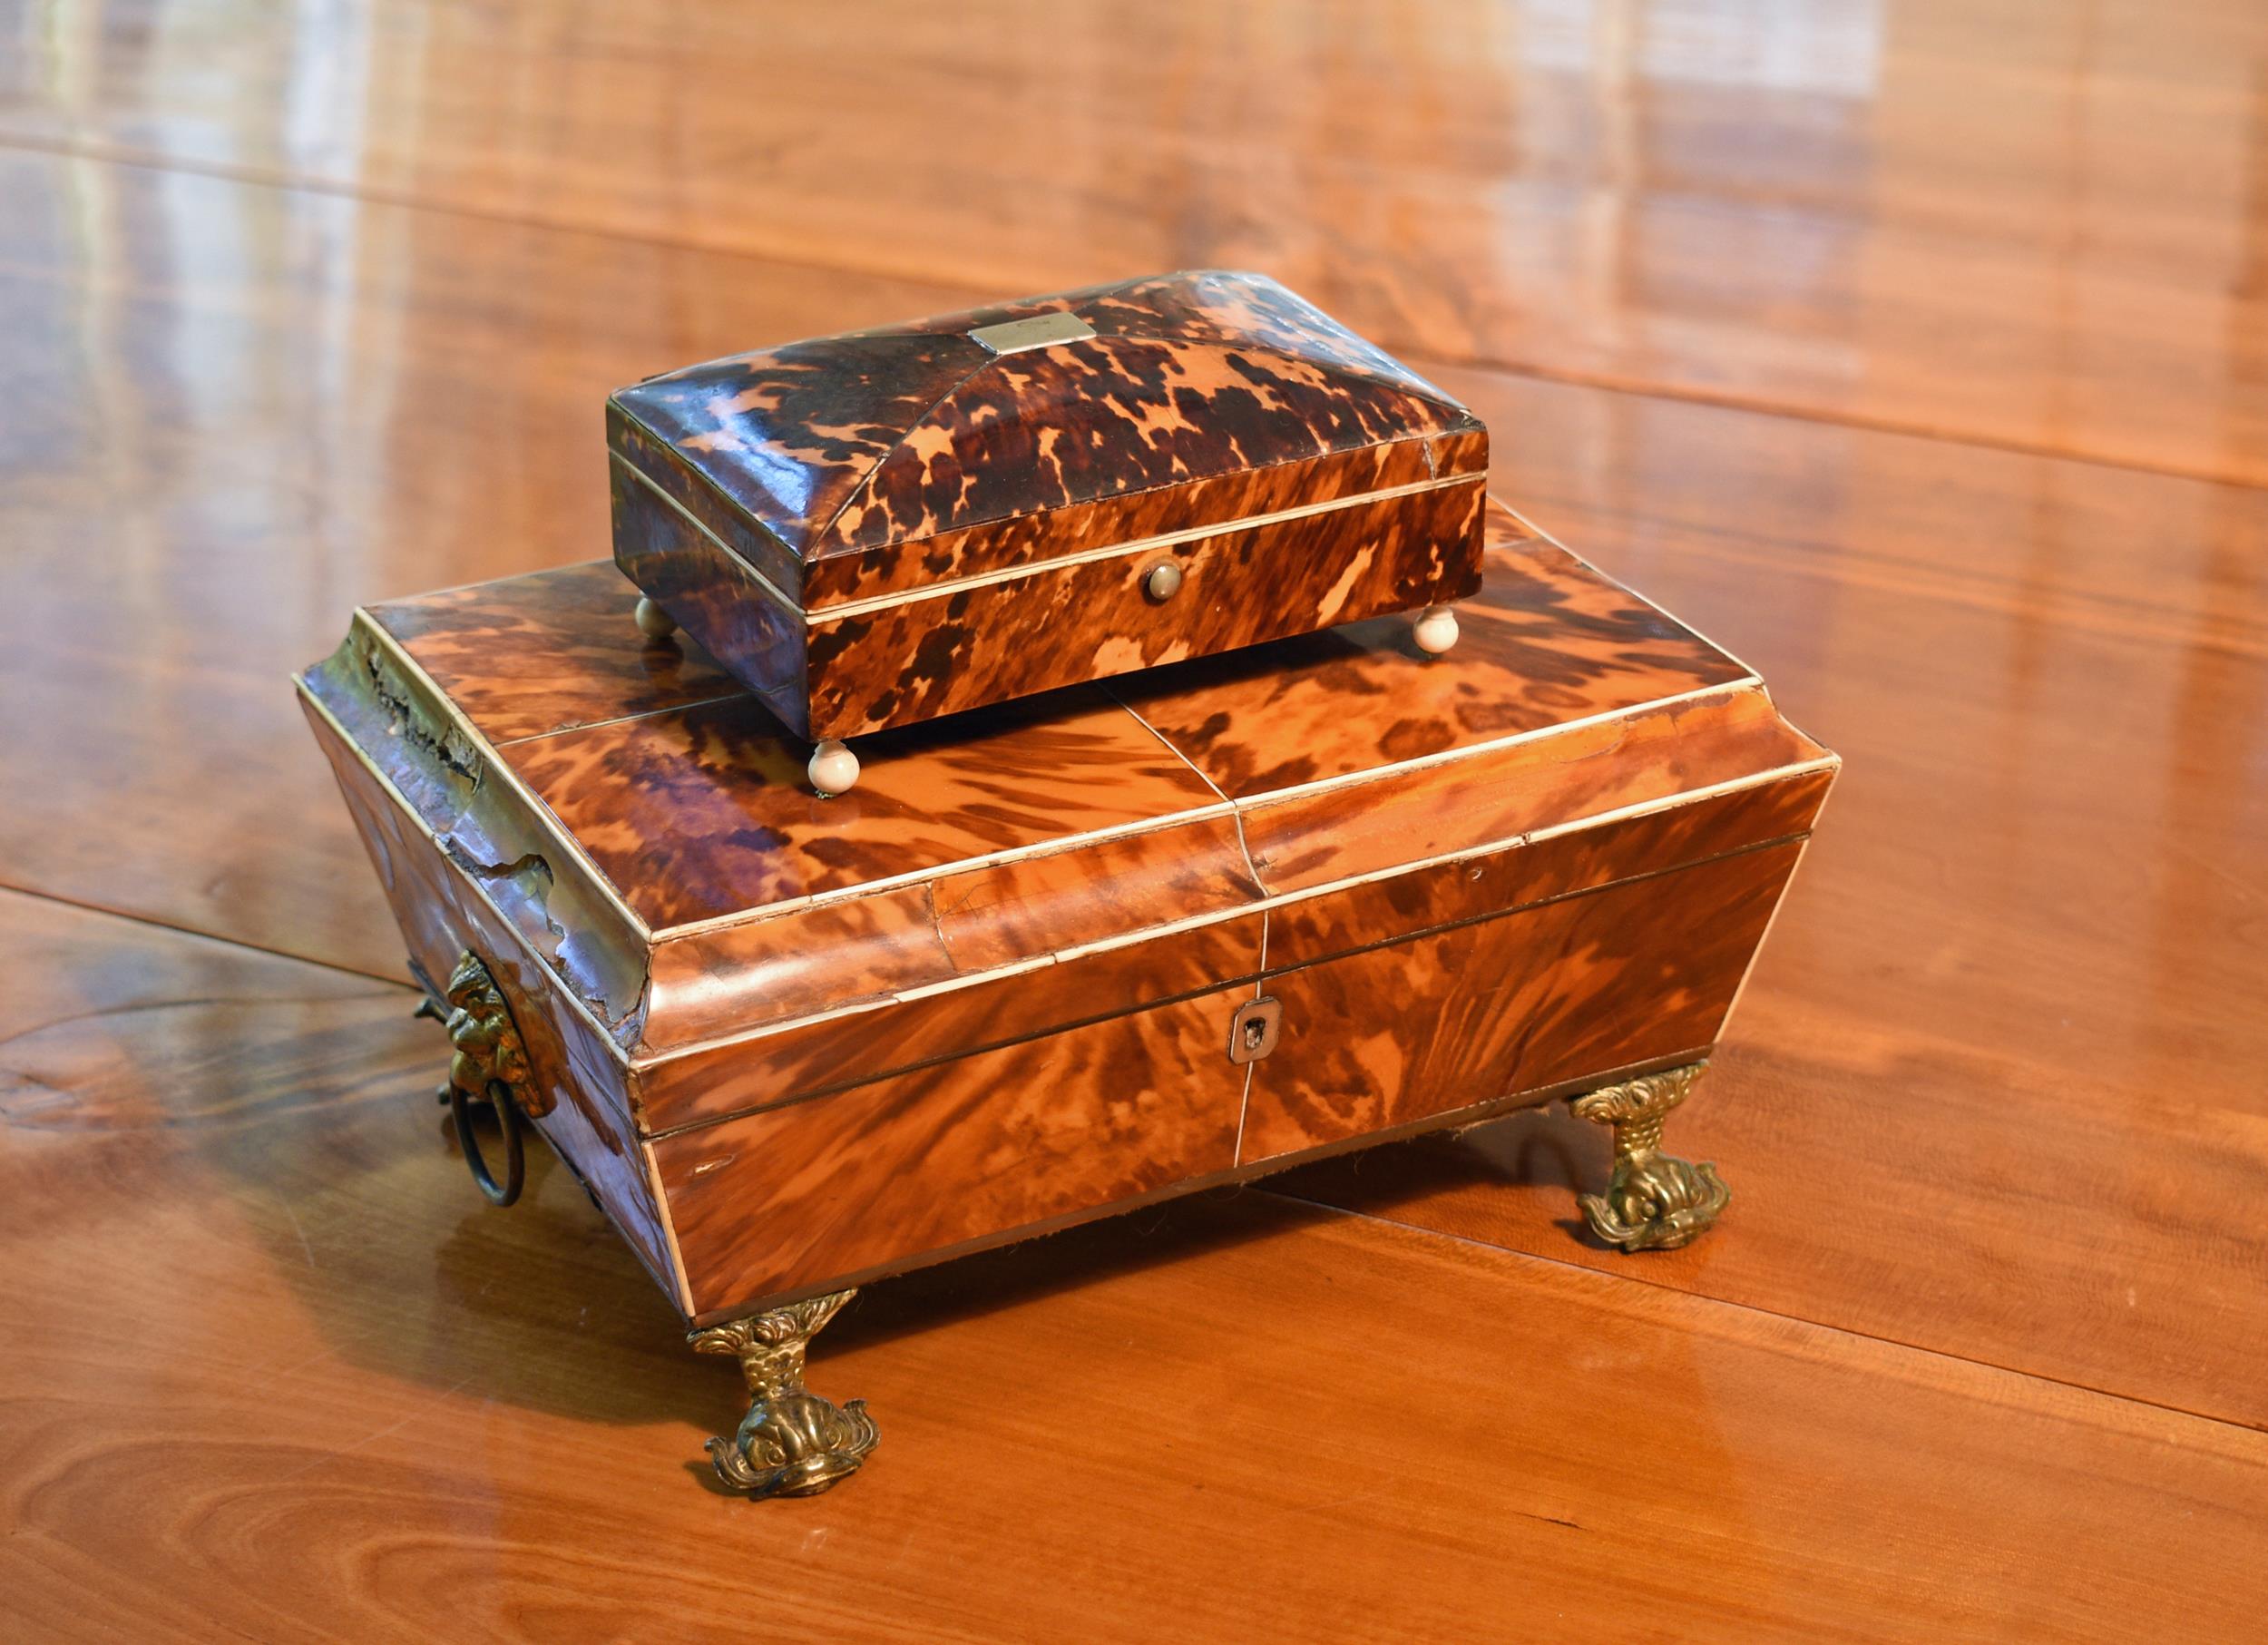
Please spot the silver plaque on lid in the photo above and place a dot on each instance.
(1039, 332)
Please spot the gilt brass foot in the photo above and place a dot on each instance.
(1654, 1201)
(792, 1443)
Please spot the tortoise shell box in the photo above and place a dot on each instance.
(871, 530)
(1100, 940)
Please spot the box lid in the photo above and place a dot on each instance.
(645, 823)
(841, 445)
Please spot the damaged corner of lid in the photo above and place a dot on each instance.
(1035, 332)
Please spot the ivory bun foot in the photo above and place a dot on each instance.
(833, 770)
(1435, 630)
(653, 621)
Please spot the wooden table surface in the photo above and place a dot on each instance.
(1917, 351)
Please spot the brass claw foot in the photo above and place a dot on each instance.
(792, 1443)
(1654, 1201)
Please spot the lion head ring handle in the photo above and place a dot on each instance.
(489, 1065)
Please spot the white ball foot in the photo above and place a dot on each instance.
(653, 621)
(834, 768)
(1435, 630)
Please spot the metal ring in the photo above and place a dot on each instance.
(499, 1098)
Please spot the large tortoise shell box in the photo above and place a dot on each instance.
(1092, 947)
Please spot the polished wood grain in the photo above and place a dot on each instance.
(367, 1406)
(315, 318)
(184, 683)
(238, 499)
(2074, 553)
(2011, 1003)
(2038, 227)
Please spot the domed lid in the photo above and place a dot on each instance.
(843, 444)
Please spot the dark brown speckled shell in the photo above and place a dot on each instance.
(883, 527)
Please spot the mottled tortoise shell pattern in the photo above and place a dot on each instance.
(839, 444)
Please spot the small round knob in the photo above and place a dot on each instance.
(1435, 630)
(834, 768)
(1163, 583)
(653, 621)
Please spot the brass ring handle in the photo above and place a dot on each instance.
(490, 1065)
(498, 1098)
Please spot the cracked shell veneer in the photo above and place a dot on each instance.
(881, 528)
(792, 1044)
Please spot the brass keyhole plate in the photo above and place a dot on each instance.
(1252, 1030)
